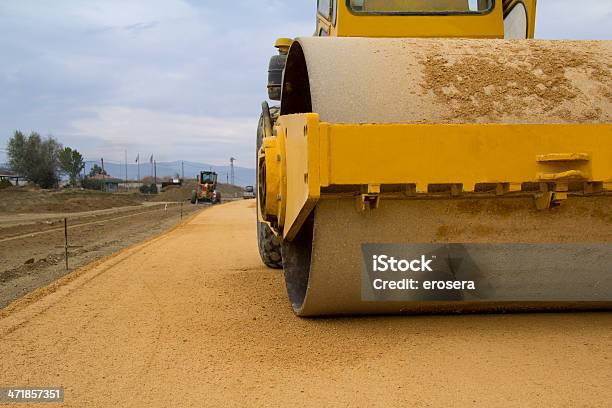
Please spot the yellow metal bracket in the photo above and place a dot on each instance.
(562, 170)
(563, 157)
(270, 168)
(321, 158)
(564, 175)
(370, 199)
(300, 134)
(549, 197)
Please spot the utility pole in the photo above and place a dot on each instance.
(182, 170)
(103, 175)
(126, 171)
(155, 171)
(66, 241)
(232, 160)
(226, 178)
(138, 165)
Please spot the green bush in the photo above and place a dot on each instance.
(92, 184)
(5, 184)
(35, 158)
(149, 189)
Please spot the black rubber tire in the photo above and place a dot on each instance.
(268, 243)
(269, 247)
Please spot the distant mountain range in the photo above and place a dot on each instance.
(243, 176)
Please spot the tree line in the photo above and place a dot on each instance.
(43, 161)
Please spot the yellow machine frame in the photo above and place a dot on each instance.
(306, 157)
(342, 22)
(357, 161)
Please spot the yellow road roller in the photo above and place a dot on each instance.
(429, 156)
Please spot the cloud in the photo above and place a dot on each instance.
(195, 137)
(182, 79)
(138, 27)
(568, 19)
(86, 67)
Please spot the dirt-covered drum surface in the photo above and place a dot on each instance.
(373, 80)
(555, 260)
(442, 81)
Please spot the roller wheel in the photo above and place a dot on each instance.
(268, 243)
(194, 197)
(269, 246)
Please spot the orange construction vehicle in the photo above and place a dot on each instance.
(206, 189)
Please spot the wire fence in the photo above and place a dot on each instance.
(89, 224)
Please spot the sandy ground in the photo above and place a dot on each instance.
(191, 318)
(32, 245)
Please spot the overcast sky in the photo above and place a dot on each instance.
(182, 79)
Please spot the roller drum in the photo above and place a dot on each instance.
(528, 259)
(376, 80)
(521, 259)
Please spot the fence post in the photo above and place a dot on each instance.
(181, 210)
(66, 241)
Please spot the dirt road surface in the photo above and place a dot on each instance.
(32, 247)
(192, 319)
